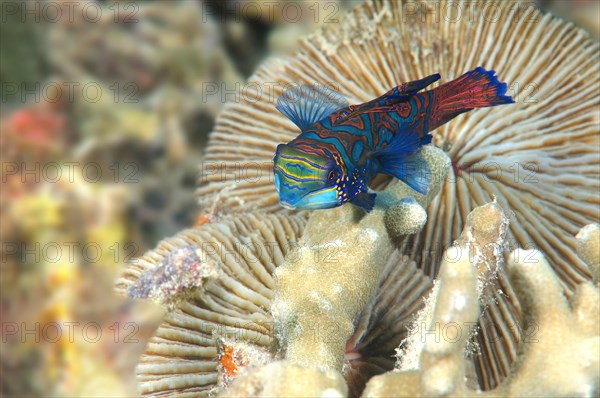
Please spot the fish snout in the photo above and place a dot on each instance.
(287, 204)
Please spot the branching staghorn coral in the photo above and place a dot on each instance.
(345, 247)
(558, 356)
(385, 321)
(484, 243)
(495, 345)
(406, 217)
(456, 301)
(307, 322)
(569, 336)
(185, 357)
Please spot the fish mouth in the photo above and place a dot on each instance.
(302, 205)
(308, 202)
(287, 204)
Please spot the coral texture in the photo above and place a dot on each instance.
(539, 157)
(233, 303)
(405, 218)
(588, 247)
(342, 301)
(282, 379)
(494, 343)
(184, 269)
(344, 246)
(216, 282)
(567, 332)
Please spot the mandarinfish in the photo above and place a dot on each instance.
(341, 146)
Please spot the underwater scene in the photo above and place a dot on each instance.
(300, 198)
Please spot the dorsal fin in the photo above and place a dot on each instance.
(406, 90)
(387, 101)
(307, 104)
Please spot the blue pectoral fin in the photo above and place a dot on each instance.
(307, 104)
(365, 201)
(401, 160)
(415, 173)
(404, 143)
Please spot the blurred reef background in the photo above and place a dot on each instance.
(105, 117)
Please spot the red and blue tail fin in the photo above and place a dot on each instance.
(478, 88)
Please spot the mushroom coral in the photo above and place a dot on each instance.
(217, 283)
(229, 295)
(220, 324)
(540, 157)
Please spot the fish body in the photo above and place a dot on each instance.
(341, 146)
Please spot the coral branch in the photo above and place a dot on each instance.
(553, 328)
(442, 363)
(339, 263)
(282, 379)
(442, 360)
(551, 331)
(588, 248)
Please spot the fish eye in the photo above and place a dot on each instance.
(333, 174)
